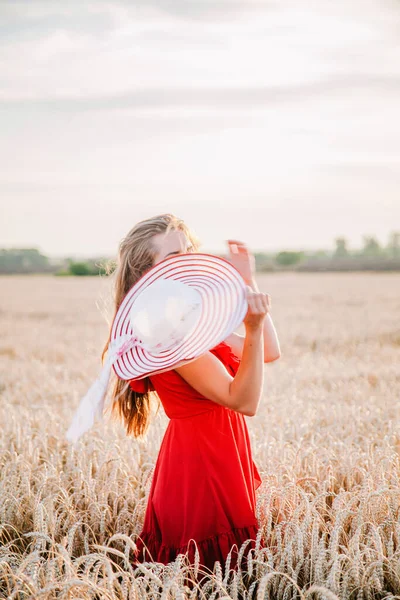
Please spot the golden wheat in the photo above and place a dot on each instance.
(326, 440)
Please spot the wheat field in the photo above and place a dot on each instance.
(326, 440)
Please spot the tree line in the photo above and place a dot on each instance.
(371, 256)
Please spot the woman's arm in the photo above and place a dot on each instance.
(210, 378)
(244, 261)
(272, 349)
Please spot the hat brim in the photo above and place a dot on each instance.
(224, 306)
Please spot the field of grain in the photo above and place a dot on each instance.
(326, 441)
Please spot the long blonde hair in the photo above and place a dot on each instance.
(136, 255)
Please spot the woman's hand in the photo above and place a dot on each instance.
(242, 259)
(258, 308)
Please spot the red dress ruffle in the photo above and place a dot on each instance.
(203, 488)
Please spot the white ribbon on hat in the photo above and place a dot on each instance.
(91, 407)
(178, 315)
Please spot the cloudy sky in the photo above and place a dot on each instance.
(273, 122)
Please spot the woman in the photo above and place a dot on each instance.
(203, 488)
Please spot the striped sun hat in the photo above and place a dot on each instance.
(182, 307)
(179, 309)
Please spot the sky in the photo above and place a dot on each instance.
(272, 122)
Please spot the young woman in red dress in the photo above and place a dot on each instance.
(203, 488)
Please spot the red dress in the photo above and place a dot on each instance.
(204, 479)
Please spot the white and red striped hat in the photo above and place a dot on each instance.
(178, 310)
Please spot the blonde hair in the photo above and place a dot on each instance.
(136, 256)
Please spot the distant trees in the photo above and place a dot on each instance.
(264, 261)
(371, 246)
(31, 260)
(79, 268)
(23, 260)
(341, 247)
(82, 268)
(394, 244)
(287, 258)
(371, 256)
